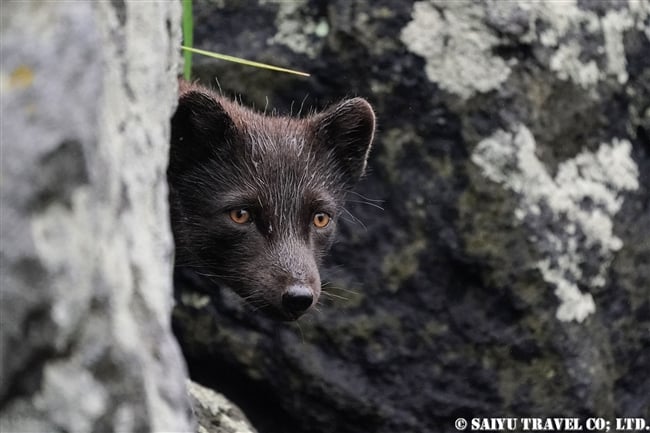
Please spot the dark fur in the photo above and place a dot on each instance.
(282, 170)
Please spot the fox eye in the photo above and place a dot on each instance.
(240, 216)
(321, 220)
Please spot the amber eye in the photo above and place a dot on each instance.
(240, 216)
(321, 220)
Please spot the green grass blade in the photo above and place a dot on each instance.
(188, 38)
(242, 61)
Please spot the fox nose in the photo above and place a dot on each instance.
(297, 299)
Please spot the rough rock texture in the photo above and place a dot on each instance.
(88, 89)
(507, 274)
(214, 413)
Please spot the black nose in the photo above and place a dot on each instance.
(297, 299)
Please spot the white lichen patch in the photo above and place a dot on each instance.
(457, 39)
(640, 9)
(552, 20)
(556, 23)
(457, 46)
(614, 23)
(570, 216)
(297, 31)
(567, 65)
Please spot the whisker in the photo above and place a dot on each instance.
(333, 295)
(344, 289)
(366, 199)
(355, 219)
(376, 206)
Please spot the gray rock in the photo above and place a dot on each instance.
(88, 89)
(214, 413)
(507, 272)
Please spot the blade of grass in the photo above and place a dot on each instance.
(188, 38)
(242, 61)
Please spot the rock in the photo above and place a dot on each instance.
(506, 273)
(88, 89)
(214, 413)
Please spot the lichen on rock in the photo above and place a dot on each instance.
(570, 216)
(457, 46)
(214, 413)
(296, 31)
(86, 258)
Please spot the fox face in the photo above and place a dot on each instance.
(255, 199)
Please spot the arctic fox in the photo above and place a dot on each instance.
(255, 199)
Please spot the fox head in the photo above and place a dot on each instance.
(255, 199)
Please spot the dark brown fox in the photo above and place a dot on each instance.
(255, 199)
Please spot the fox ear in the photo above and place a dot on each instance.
(199, 127)
(346, 130)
